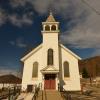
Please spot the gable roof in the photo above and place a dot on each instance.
(73, 54)
(30, 53)
(40, 46)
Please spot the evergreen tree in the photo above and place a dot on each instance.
(85, 73)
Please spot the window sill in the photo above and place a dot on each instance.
(66, 78)
(35, 78)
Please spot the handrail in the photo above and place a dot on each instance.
(42, 94)
(36, 93)
(66, 94)
(9, 92)
(45, 95)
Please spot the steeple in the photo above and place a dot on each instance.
(50, 18)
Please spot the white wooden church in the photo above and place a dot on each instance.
(51, 64)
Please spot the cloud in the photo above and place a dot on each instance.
(3, 17)
(4, 71)
(12, 42)
(85, 34)
(15, 18)
(63, 7)
(20, 20)
(16, 3)
(19, 42)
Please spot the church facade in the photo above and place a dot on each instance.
(51, 65)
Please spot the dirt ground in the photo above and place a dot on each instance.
(90, 91)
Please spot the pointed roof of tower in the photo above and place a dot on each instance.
(50, 18)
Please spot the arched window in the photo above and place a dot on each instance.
(66, 69)
(53, 27)
(50, 57)
(35, 70)
(47, 28)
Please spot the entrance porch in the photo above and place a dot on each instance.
(50, 78)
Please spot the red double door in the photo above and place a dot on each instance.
(49, 82)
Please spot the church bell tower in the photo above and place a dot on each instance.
(50, 35)
(50, 29)
(50, 26)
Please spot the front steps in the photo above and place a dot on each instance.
(49, 95)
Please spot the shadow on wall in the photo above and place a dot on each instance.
(61, 81)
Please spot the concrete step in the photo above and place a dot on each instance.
(22, 96)
(40, 96)
(29, 97)
(49, 95)
(25, 96)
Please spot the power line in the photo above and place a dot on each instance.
(92, 8)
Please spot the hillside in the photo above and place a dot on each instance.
(10, 79)
(92, 66)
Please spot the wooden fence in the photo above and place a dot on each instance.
(10, 92)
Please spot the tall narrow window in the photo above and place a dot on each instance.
(35, 70)
(50, 57)
(66, 69)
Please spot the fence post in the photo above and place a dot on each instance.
(19, 90)
(9, 93)
(14, 92)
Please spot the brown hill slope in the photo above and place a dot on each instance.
(10, 79)
(92, 65)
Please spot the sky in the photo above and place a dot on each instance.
(20, 28)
